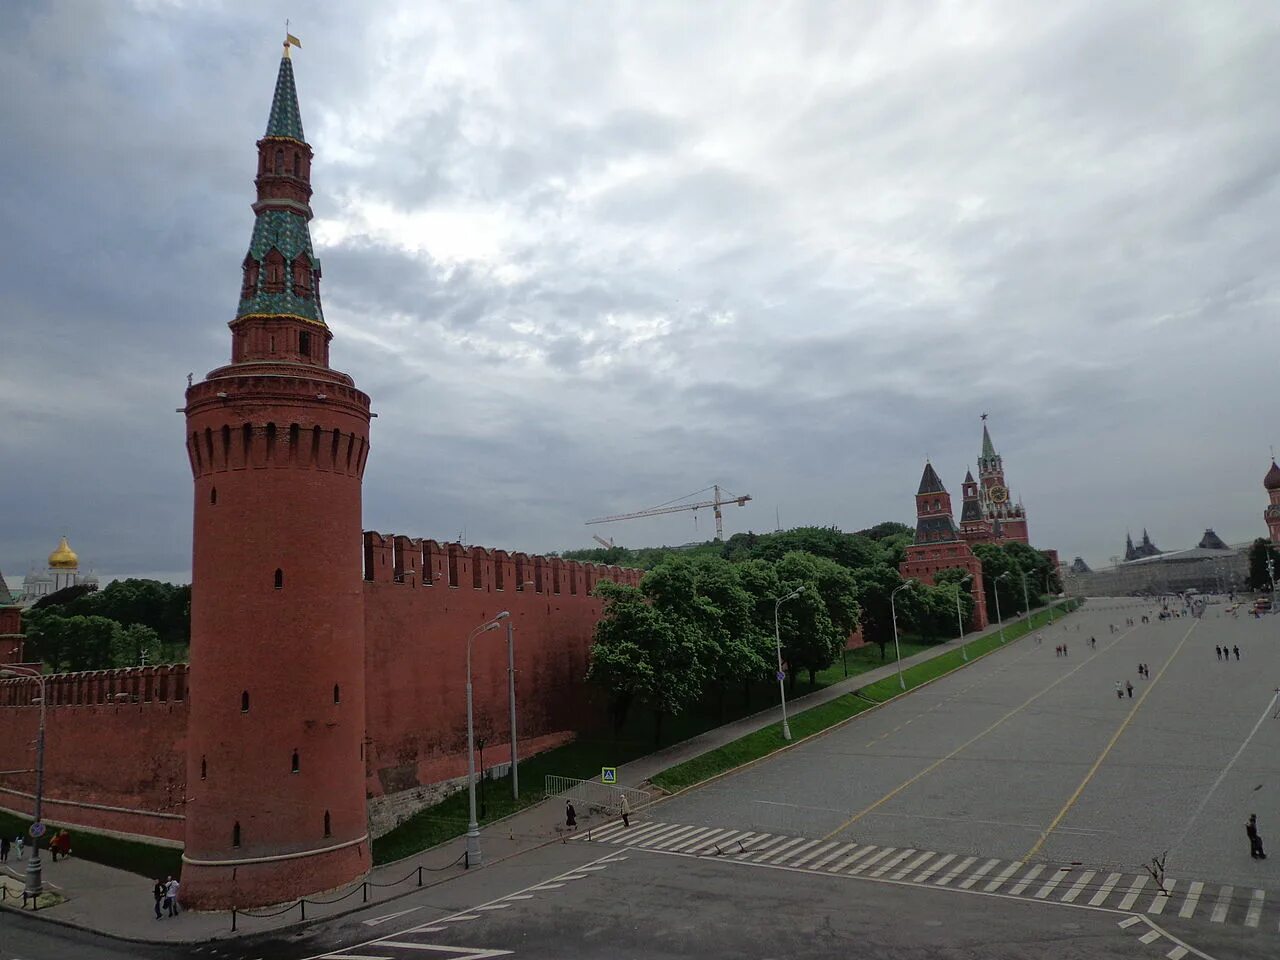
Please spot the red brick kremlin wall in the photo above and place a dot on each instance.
(421, 600)
(115, 749)
(116, 739)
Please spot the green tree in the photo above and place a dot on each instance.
(643, 655)
(996, 562)
(135, 645)
(873, 587)
(812, 637)
(1262, 550)
(952, 577)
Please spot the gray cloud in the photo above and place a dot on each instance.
(586, 259)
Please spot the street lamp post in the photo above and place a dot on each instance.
(777, 639)
(473, 828)
(35, 869)
(897, 650)
(1026, 600)
(960, 619)
(995, 590)
(511, 696)
(1048, 589)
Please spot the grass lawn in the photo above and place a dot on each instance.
(146, 859)
(769, 739)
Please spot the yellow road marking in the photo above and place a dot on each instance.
(971, 741)
(1044, 835)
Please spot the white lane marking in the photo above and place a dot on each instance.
(1255, 908)
(755, 846)
(664, 836)
(915, 864)
(1105, 890)
(1035, 871)
(354, 956)
(760, 858)
(1225, 770)
(757, 842)
(572, 876)
(1150, 936)
(1224, 903)
(716, 842)
(813, 853)
(1077, 887)
(547, 886)
(1162, 897)
(933, 868)
(374, 921)
(978, 874)
(871, 861)
(796, 850)
(1127, 901)
(892, 862)
(855, 855)
(598, 866)
(839, 851)
(1191, 900)
(607, 830)
(687, 835)
(494, 906)
(1177, 953)
(457, 918)
(703, 842)
(630, 836)
(519, 896)
(459, 953)
(1004, 875)
(955, 871)
(1051, 883)
(1129, 922)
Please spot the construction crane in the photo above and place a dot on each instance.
(607, 544)
(720, 498)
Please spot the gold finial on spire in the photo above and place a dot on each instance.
(290, 40)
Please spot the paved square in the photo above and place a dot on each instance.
(1027, 755)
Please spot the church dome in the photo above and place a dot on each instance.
(64, 558)
(1272, 480)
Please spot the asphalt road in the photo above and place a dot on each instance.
(1029, 755)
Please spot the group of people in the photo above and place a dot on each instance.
(166, 894)
(1060, 650)
(59, 846)
(1126, 687)
(1224, 653)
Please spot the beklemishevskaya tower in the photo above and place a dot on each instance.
(277, 442)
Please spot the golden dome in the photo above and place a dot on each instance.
(64, 558)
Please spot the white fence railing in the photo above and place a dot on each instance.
(592, 796)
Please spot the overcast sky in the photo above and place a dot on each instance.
(586, 258)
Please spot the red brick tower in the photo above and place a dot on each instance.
(1272, 514)
(1008, 519)
(938, 545)
(277, 442)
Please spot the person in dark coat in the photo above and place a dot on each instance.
(1128, 686)
(1255, 841)
(570, 815)
(1218, 651)
(1236, 651)
(4, 849)
(158, 893)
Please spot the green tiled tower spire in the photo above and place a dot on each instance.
(281, 272)
(285, 119)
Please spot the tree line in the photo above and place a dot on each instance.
(702, 620)
(125, 624)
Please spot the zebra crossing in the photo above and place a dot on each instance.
(1047, 882)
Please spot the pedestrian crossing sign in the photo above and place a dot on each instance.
(608, 774)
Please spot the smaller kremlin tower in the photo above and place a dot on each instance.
(1271, 482)
(938, 544)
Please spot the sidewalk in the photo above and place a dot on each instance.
(119, 904)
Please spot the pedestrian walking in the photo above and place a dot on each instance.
(1218, 650)
(1064, 649)
(1093, 643)
(1128, 686)
(172, 890)
(570, 815)
(1255, 841)
(1119, 690)
(4, 849)
(625, 808)
(19, 844)
(1236, 651)
(158, 892)
(169, 885)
